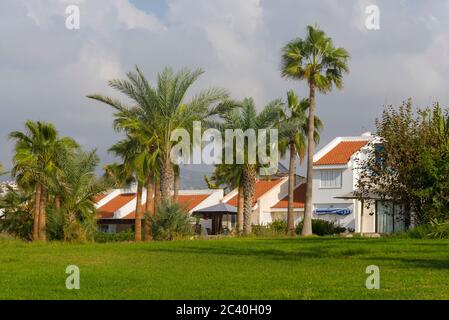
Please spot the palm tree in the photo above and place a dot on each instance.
(38, 154)
(159, 110)
(315, 60)
(136, 164)
(79, 188)
(244, 116)
(293, 128)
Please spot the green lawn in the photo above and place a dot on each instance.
(279, 268)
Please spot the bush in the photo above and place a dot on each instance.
(439, 230)
(103, 237)
(322, 227)
(279, 226)
(433, 230)
(16, 218)
(171, 221)
(276, 228)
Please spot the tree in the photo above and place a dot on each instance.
(137, 166)
(409, 162)
(316, 61)
(159, 110)
(293, 130)
(17, 217)
(243, 116)
(79, 188)
(37, 157)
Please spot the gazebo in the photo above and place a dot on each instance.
(216, 213)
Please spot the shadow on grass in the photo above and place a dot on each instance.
(275, 254)
(414, 262)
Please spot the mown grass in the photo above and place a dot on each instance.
(256, 268)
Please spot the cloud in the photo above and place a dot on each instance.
(46, 70)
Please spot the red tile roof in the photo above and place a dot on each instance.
(262, 187)
(100, 197)
(299, 196)
(188, 202)
(341, 153)
(108, 209)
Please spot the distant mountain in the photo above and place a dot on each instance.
(192, 176)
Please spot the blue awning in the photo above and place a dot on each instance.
(338, 211)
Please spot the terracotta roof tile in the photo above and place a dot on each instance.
(262, 187)
(108, 209)
(341, 153)
(299, 196)
(187, 201)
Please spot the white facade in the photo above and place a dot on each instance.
(331, 181)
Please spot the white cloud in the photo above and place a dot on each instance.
(46, 70)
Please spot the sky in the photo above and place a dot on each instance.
(47, 70)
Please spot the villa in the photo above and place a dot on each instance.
(335, 178)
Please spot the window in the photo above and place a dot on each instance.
(330, 179)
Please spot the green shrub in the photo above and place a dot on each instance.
(17, 216)
(279, 226)
(276, 228)
(171, 221)
(433, 230)
(322, 227)
(103, 237)
(439, 230)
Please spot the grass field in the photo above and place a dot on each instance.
(280, 268)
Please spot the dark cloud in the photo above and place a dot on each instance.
(46, 70)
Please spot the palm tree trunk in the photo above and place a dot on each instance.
(307, 228)
(249, 183)
(167, 180)
(138, 218)
(57, 202)
(176, 184)
(240, 204)
(42, 215)
(37, 207)
(291, 190)
(149, 208)
(157, 195)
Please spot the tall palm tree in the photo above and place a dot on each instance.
(316, 61)
(244, 116)
(38, 154)
(159, 110)
(293, 130)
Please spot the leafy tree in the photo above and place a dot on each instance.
(409, 162)
(293, 132)
(316, 61)
(17, 216)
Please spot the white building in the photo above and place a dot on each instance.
(335, 175)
